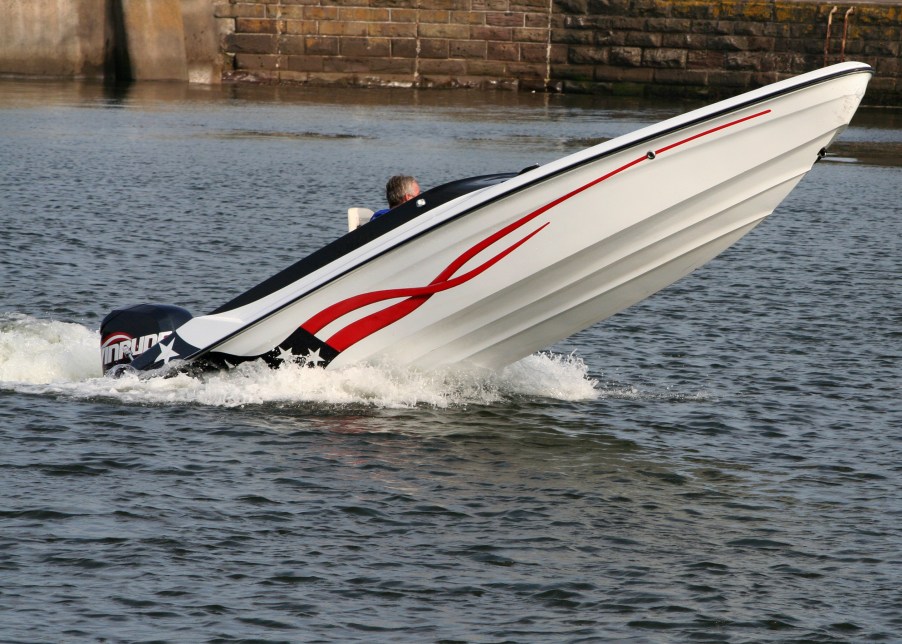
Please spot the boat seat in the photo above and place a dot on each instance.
(357, 217)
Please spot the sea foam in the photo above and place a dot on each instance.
(61, 358)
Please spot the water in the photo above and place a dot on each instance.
(719, 463)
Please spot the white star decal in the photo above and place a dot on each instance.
(286, 355)
(313, 358)
(167, 353)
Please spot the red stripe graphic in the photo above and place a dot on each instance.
(712, 130)
(114, 338)
(417, 296)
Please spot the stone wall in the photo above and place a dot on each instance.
(721, 48)
(642, 47)
(675, 47)
(422, 43)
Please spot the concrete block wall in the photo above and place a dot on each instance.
(169, 40)
(643, 47)
(122, 39)
(71, 39)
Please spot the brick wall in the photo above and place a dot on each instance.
(677, 47)
(704, 48)
(423, 43)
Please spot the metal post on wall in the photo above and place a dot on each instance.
(829, 26)
(845, 31)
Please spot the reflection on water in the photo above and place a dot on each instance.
(880, 153)
(875, 137)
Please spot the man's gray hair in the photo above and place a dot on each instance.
(397, 187)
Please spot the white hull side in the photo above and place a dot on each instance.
(615, 241)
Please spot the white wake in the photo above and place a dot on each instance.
(61, 358)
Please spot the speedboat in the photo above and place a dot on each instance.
(487, 270)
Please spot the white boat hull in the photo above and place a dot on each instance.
(495, 275)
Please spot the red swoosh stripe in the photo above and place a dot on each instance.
(712, 130)
(417, 296)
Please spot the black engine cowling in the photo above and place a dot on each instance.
(129, 332)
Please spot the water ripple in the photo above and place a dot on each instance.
(717, 464)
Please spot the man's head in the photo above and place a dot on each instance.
(400, 189)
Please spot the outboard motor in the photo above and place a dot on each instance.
(129, 332)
